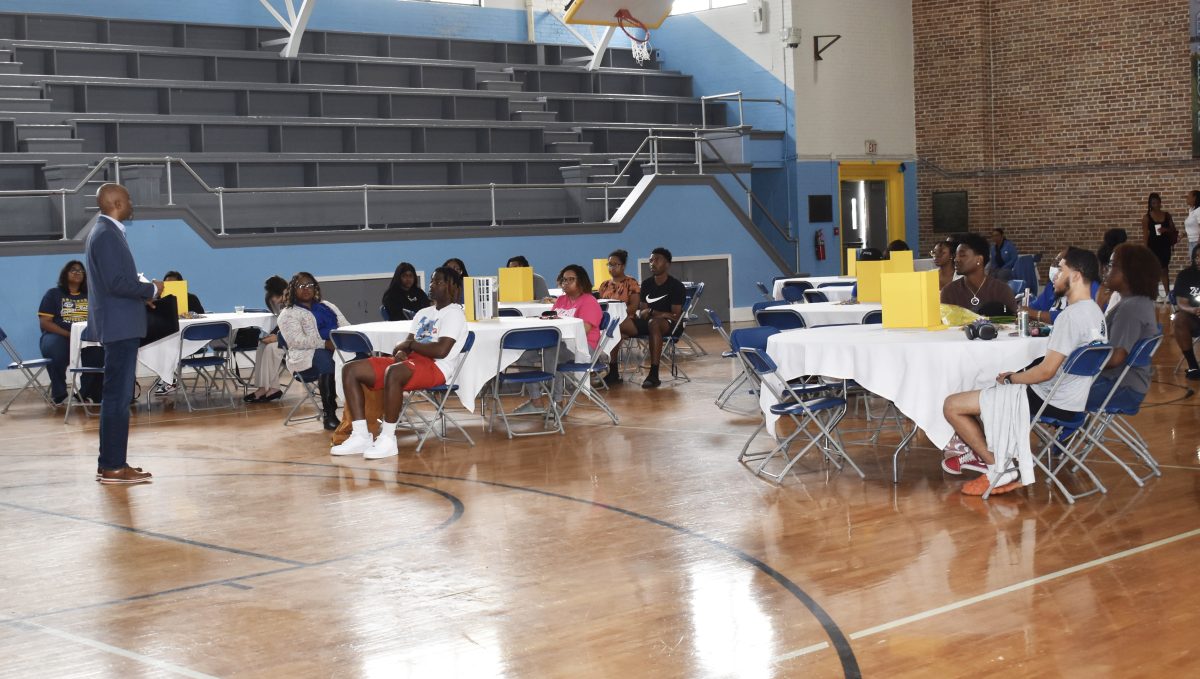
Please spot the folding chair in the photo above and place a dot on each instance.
(736, 383)
(79, 371)
(807, 408)
(208, 368)
(762, 288)
(509, 312)
(836, 284)
(872, 317)
(31, 370)
(815, 296)
(780, 319)
(309, 396)
(671, 341)
(578, 376)
(438, 397)
(759, 306)
(383, 313)
(1110, 417)
(545, 341)
(1058, 436)
(351, 342)
(692, 299)
(793, 292)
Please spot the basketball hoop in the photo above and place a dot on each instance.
(640, 46)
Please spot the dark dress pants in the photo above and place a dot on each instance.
(120, 372)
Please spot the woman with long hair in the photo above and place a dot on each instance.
(305, 323)
(404, 294)
(1161, 235)
(62, 305)
(267, 355)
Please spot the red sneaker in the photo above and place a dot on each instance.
(966, 461)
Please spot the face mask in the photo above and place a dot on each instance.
(1053, 274)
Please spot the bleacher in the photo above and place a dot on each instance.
(354, 109)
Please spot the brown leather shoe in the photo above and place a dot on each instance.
(126, 474)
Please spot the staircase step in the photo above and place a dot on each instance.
(6, 54)
(20, 92)
(552, 136)
(50, 145)
(525, 116)
(10, 67)
(499, 76)
(25, 105)
(500, 86)
(45, 132)
(569, 147)
(525, 105)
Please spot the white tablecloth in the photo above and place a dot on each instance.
(480, 365)
(838, 293)
(162, 356)
(914, 369)
(832, 313)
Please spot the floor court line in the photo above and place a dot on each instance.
(108, 648)
(987, 596)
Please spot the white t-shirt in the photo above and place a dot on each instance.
(1191, 226)
(1079, 324)
(431, 324)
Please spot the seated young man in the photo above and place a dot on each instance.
(1134, 272)
(976, 290)
(425, 359)
(661, 306)
(1079, 324)
(1047, 305)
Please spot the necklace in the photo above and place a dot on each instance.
(974, 293)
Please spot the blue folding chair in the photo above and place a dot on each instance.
(31, 370)
(1056, 436)
(509, 312)
(780, 319)
(1110, 417)
(836, 284)
(809, 408)
(383, 313)
(793, 291)
(741, 378)
(209, 370)
(815, 296)
(438, 397)
(759, 306)
(309, 396)
(873, 317)
(578, 375)
(545, 341)
(352, 342)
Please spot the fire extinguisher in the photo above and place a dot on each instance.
(819, 244)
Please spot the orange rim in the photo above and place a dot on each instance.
(624, 17)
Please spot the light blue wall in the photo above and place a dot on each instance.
(818, 178)
(688, 220)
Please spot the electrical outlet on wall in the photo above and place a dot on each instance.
(758, 15)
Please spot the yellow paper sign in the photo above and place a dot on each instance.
(600, 272)
(868, 280)
(901, 262)
(179, 289)
(516, 284)
(910, 300)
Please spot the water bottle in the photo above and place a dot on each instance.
(1023, 323)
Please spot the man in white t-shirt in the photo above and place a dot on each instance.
(425, 359)
(1081, 323)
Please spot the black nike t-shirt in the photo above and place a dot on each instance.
(662, 297)
(1187, 286)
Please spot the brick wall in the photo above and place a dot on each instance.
(1058, 118)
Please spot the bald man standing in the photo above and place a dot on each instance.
(116, 319)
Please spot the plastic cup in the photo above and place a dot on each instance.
(1158, 229)
(239, 309)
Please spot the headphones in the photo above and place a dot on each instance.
(980, 328)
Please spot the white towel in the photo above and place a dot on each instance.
(1004, 410)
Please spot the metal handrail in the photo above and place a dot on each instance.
(649, 145)
(731, 95)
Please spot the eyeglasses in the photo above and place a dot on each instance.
(567, 280)
(306, 286)
(75, 270)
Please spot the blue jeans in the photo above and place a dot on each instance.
(58, 349)
(120, 372)
(322, 364)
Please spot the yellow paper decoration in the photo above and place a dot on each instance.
(179, 289)
(600, 272)
(910, 299)
(516, 284)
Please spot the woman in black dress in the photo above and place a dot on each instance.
(1161, 234)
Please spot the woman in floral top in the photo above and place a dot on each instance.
(625, 289)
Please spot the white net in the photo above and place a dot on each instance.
(641, 51)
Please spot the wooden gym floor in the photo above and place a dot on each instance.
(642, 549)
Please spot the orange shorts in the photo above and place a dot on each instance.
(425, 373)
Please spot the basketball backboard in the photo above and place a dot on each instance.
(604, 12)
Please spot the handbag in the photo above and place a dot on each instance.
(162, 320)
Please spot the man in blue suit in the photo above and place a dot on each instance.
(117, 319)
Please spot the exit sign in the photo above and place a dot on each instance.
(872, 147)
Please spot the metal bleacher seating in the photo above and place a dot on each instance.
(357, 109)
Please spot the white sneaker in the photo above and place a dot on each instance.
(357, 444)
(384, 446)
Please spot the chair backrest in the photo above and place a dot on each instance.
(1088, 361)
(1018, 286)
(763, 289)
(206, 332)
(527, 339)
(383, 313)
(792, 295)
(607, 326)
(873, 317)
(757, 306)
(468, 344)
(751, 338)
(836, 284)
(1025, 268)
(690, 309)
(815, 296)
(782, 319)
(1143, 352)
(509, 312)
(351, 342)
(758, 360)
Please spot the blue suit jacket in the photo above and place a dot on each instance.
(1008, 249)
(116, 298)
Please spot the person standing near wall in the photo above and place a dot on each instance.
(1161, 235)
(117, 302)
(1191, 225)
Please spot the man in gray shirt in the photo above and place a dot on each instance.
(1134, 274)
(1078, 325)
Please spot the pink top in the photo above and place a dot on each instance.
(584, 307)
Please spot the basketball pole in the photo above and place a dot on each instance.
(601, 46)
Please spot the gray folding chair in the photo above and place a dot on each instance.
(31, 370)
(209, 371)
